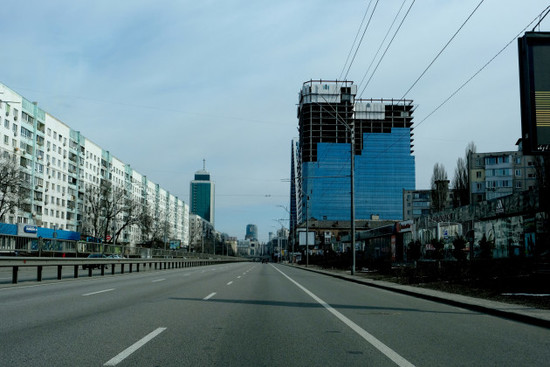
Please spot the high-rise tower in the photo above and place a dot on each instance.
(201, 195)
(251, 232)
(384, 164)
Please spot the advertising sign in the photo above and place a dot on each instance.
(534, 78)
(310, 238)
(27, 230)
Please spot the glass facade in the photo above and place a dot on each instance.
(384, 164)
(383, 169)
(201, 200)
(202, 196)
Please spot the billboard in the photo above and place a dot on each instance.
(310, 238)
(534, 79)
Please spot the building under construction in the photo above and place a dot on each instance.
(329, 117)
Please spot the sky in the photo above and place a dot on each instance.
(163, 85)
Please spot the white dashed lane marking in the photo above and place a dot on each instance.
(209, 296)
(98, 292)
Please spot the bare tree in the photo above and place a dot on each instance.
(14, 188)
(146, 224)
(161, 232)
(461, 179)
(103, 205)
(128, 214)
(460, 184)
(440, 187)
(93, 222)
(470, 149)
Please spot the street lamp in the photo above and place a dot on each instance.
(280, 236)
(290, 236)
(352, 195)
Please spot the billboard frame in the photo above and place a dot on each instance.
(535, 104)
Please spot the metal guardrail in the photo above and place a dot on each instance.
(90, 263)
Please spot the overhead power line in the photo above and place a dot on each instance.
(361, 40)
(387, 48)
(443, 49)
(355, 40)
(546, 10)
(382, 43)
(483, 67)
(541, 18)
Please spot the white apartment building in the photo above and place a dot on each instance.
(60, 164)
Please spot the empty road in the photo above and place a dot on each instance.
(249, 314)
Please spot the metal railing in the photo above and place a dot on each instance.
(123, 264)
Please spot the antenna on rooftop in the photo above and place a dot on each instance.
(204, 164)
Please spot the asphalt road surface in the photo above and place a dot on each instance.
(249, 314)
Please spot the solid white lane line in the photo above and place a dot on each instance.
(387, 351)
(131, 349)
(209, 296)
(98, 292)
(158, 280)
(231, 282)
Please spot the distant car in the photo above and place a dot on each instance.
(115, 256)
(94, 256)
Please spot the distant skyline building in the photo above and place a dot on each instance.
(202, 195)
(384, 164)
(251, 232)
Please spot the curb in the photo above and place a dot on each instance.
(504, 310)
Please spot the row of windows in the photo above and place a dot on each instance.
(497, 160)
(57, 136)
(489, 161)
(30, 135)
(54, 161)
(499, 172)
(497, 184)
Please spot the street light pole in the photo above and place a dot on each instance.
(307, 231)
(352, 195)
(289, 236)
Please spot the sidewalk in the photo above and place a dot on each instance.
(530, 315)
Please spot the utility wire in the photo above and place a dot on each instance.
(382, 43)
(355, 40)
(482, 68)
(541, 18)
(361, 40)
(547, 10)
(387, 48)
(443, 49)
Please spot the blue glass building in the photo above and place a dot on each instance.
(384, 164)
